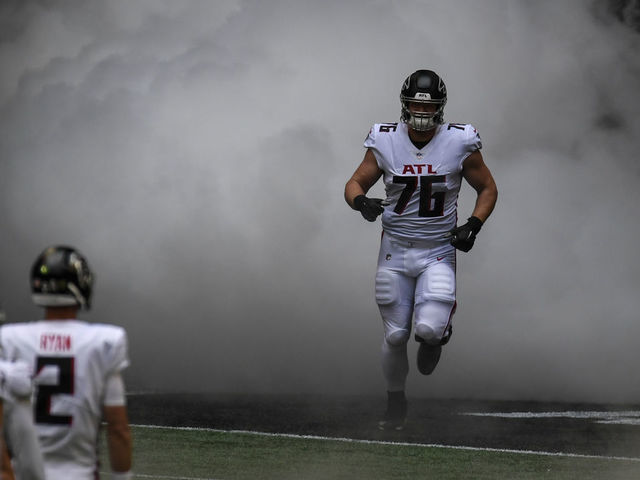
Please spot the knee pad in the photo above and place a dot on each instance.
(432, 320)
(397, 338)
(426, 334)
(386, 287)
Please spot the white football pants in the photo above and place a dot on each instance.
(415, 281)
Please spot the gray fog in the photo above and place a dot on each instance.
(196, 152)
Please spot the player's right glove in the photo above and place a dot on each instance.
(370, 208)
(464, 236)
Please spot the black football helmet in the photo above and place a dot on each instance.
(423, 86)
(60, 277)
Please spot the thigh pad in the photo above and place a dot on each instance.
(387, 287)
(437, 282)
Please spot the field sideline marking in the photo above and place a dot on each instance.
(379, 442)
(165, 477)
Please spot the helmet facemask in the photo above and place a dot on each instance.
(422, 121)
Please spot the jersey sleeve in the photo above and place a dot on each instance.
(372, 142)
(473, 141)
(115, 350)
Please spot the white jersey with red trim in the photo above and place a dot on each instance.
(72, 360)
(421, 185)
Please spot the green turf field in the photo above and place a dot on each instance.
(203, 454)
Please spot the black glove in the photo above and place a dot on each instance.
(370, 208)
(462, 237)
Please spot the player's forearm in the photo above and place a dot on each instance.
(365, 176)
(120, 450)
(118, 438)
(352, 190)
(485, 202)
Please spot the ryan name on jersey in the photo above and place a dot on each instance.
(55, 343)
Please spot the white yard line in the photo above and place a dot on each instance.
(163, 477)
(622, 417)
(377, 442)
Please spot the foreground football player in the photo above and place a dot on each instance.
(422, 161)
(78, 371)
(16, 419)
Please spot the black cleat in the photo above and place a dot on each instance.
(396, 415)
(428, 357)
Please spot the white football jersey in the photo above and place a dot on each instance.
(72, 360)
(421, 185)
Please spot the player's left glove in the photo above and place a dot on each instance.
(464, 236)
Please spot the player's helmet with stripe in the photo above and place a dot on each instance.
(60, 277)
(423, 86)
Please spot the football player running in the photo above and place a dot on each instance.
(422, 161)
(78, 371)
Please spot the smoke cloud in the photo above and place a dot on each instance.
(196, 153)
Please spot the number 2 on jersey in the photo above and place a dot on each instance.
(65, 383)
(426, 209)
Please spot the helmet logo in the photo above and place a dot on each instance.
(423, 96)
